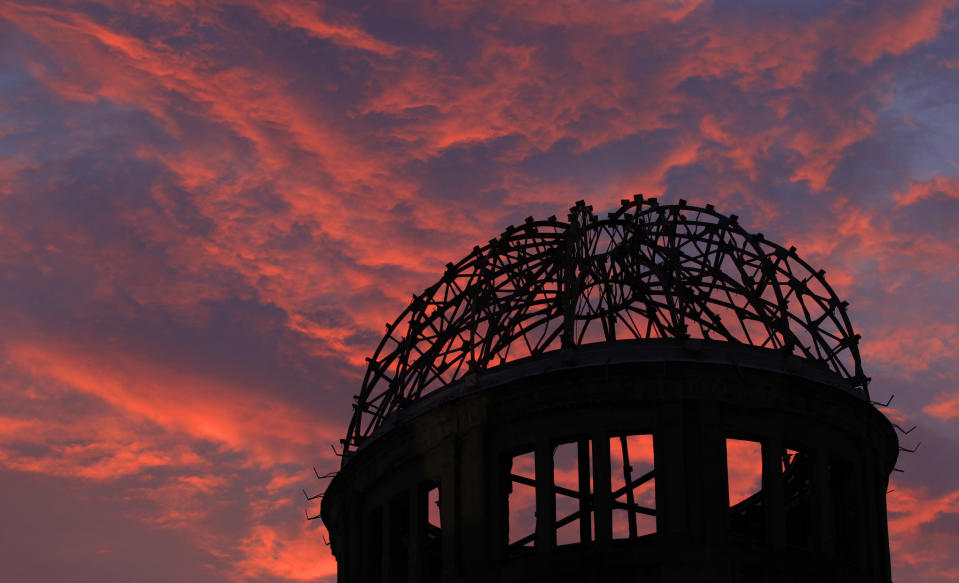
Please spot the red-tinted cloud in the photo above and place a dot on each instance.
(208, 212)
(944, 406)
(925, 555)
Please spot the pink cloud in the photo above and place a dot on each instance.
(944, 406)
(745, 466)
(179, 402)
(290, 554)
(929, 555)
(946, 186)
(337, 155)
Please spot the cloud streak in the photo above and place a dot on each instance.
(208, 212)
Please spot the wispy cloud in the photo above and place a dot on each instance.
(209, 210)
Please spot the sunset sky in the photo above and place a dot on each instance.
(208, 211)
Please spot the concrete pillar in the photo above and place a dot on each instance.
(388, 529)
(773, 494)
(474, 514)
(585, 526)
(601, 488)
(545, 499)
(822, 511)
(448, 521)
(706, 480)
(672, 520)
(418, 513)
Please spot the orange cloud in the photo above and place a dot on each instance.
(180, 402)
(944, 407)
(946, 186)
(892, 29)
(309, 17)
(909, 510)
(744, 463)
(291, 554)
(909, 348)
(309, 190)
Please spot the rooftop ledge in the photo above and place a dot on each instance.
(651, 350)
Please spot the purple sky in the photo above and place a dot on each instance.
(209, 210)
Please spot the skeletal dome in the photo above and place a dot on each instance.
(645, 271)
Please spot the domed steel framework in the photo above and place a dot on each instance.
(573, 402)
(645, 271)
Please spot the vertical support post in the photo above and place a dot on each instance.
(823, 512)
(868, 484)
(671, 482)
(545, 499)
(846, 501)
(418, 516)
(386, 546)
(372, 556)
(883, 531)
(628, 484)
(448, 520)
(500, 486)
(773, 490)
(353, 563)
(474, 512)
(602, 503)
(715, 494)
(869, 481)
(707, 484)
(585, 496)
(859, 531)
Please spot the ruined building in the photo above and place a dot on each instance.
(653, 395)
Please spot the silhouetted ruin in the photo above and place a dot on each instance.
(586, 400)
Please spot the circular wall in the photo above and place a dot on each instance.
(623, 461)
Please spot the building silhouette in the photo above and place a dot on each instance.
(654, 395)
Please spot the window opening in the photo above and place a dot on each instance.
(433, 533)
(572, 485)
(797, 491)
(522, 502)
(633, 483)
(744, 467)
(433, 511)
(744, 470)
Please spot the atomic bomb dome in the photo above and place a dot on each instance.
(665, 333)
(645, 271)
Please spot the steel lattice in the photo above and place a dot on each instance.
(645, 271)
